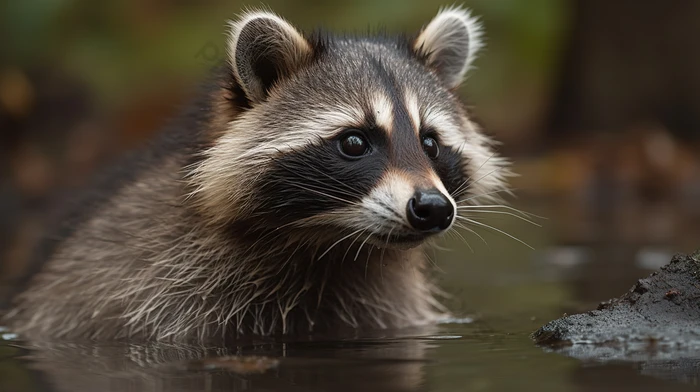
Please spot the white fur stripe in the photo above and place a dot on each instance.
(413, 110)
(394, 191)
(444, 124)
(437, 183)
(383, 112)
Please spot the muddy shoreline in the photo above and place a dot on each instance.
(662, 310)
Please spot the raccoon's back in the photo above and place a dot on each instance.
(122, 201)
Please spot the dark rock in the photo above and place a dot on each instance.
(662, 310)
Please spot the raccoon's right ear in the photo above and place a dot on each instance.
(264, 48)
(449, 44)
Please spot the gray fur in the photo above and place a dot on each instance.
(158, 260)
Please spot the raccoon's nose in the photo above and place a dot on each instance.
(429, 211)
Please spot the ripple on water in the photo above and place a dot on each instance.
(456, 320)
(8, 336)
(443, 337)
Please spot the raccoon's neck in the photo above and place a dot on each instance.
(290, 286)
(261, 286)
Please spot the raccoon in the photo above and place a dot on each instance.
(297, 194)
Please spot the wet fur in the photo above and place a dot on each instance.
(145, 266)
(194, 237)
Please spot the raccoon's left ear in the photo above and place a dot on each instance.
(263, 48)
(449, 44)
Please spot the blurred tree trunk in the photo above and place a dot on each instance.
(628, 63)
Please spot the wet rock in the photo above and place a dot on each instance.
(662, 310)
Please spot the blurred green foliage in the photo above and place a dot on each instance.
(124, 48)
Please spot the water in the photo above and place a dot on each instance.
(500, 293)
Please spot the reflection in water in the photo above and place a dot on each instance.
(622, 377)
(678, 363)
(352, 365)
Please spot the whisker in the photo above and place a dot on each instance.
(363, 244)
(325, 174)
(465, 182)
(461, 226)
(506, 213)
(484, 194)
(337, 242)
(521, 212)
(495, 229)
(369, 254)
(442, 248)
(322, 187)
(271, 233)
(386, 244)
(322, 193)
(370, 251)
(296, 172)
(465, 240)
(457, 192)
(486, 175)
(433, 263)
(353, 243)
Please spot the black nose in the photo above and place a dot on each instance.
(429, 211)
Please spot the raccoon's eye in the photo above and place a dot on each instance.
(354, 145)
(431, 148)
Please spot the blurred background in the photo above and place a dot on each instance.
(596, 102)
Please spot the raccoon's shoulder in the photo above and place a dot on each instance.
(179, 141)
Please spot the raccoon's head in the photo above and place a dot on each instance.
(337, 137)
